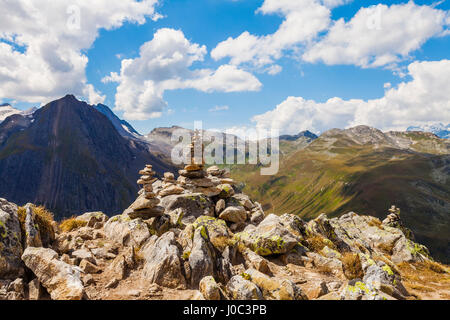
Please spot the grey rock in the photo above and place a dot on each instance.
(162, 262)
(240, 289)
(61, 280)
(11, 266)
(201, 259)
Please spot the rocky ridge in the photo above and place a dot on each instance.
(198, 237)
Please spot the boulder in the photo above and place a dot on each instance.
(35, 290)
(244, 200)
(202, 257)
(215, 171)
(126, 231)
(255, 261)
(217, 231)
(226, 191)
(380, 277)
(17, 286)
(143, 203)
(160, 225)
(241, 289)
(32, 236)
(220, 206)
(172, 190)
(192, 174)
(88, 267)
(275, 288)
(196, 204)
(316, 290)
(269, 237)
(92, 218)
(257, 217)
(358, 290)
(162, 262)
(199, 182)
(234, 214)
(406, 250)
(209, 288)
(10, 242)
(327, 265)
(61, 280)
(83, 254)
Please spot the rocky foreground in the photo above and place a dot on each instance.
(197, 237)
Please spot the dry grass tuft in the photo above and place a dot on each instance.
(386, 248)
(44, 220)
(316, 243)
(138, 257)
(71, 224)
(375, 222)
(426, 279)
(352, 266)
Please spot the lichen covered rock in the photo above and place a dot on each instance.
(269, 237)
(10, 241)
(61, 280)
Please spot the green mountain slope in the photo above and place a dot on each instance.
(366, 171)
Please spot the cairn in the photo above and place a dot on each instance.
(393, 218)
(169, 186)
(146, 205)
(194, 177)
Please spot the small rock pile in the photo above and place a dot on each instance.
(146, 205)
(169, 186)
(393, 220)
(393, 217)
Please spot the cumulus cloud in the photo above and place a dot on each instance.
(379, 35)
(424, 99)
(303, 20)
(43, 43)
(164, 63)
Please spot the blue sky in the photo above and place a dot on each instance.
(312, 81)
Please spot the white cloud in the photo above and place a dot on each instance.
(42, 55)
(424, 99)
(219, 108)
(379, 35)
(164, 64)
(303, 20)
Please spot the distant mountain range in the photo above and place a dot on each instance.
(7, 110)
(364, 170)
(71, 158)
(439, 129)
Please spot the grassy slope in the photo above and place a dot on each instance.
(344, 177)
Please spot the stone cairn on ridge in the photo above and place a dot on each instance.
(194, 180)
(146, 205)
(393, 217)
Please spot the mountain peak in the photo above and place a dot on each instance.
(306, 134)
(439, 129)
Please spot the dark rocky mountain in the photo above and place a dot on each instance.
(70, 158)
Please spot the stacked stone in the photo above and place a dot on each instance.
(169, 186)
(146, 205)
(222, 175)
(194, 177)
(393, 218)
